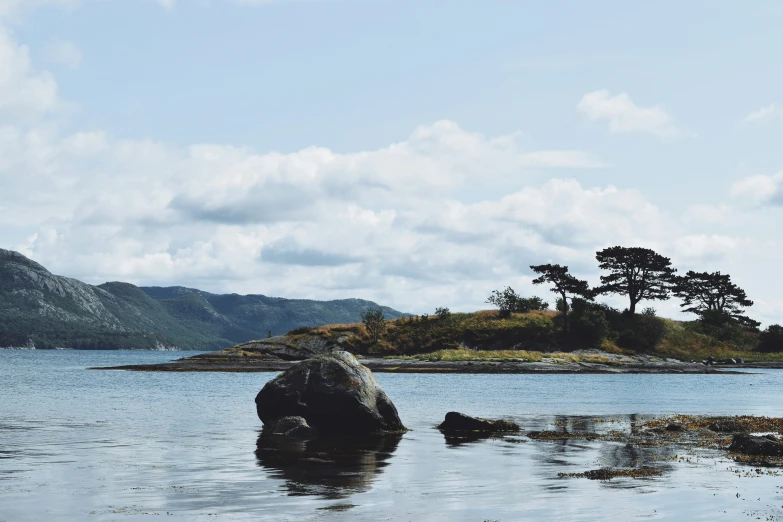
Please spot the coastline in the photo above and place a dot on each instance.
(221, 362)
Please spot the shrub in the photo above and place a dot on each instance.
(641, 333)
(528, 304)
(443, 313)
(299, 331)
(771, 339)
(509, 301)
(374, 322)
(590, 326)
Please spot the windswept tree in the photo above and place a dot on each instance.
(562, 283)
(639, 273)
(713, 297)
(374, 322)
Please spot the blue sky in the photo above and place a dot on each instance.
(417, 153)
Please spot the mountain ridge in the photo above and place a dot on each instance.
(38, 308)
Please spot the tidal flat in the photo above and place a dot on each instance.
(88, 445)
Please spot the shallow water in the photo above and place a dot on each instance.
(98, 445)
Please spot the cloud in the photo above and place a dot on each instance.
(764, 114)
(761, 190)
(706, 247)
(439, 218)
(10, 8)
(625, 116)
(167, 4)
(24, 92)
(65, 53)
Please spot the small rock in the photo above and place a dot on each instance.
(290, 427)
(675, 427)
(455, 421)
(756, 446)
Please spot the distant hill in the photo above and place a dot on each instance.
(47, 311)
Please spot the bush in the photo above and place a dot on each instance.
(771, 339)
(641, 333)
(509, 301)
(589, 325)
(443, 313)
(528, 304)
(299, 331)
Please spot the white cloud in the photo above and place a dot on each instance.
(427, 221)
(759, 190)
(398, 224)
(65, 53)
(625, 116)
(764, 114)
(24, 92)
(706, 247)
(14, 7)
(710, 214)
(167, 4)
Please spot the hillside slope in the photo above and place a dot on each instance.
(47, 311)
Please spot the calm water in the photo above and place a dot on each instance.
(97, 445)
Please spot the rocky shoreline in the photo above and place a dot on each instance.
(219, 362)
(279, 353)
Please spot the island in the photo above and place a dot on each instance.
(489, 342)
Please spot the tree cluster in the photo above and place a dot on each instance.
(508, 301)
(640, 274)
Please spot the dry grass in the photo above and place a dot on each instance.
(475, 355)
(579, 358)
(462, 354)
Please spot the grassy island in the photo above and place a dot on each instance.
(537, 335)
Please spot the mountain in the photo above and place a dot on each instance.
(47, 311)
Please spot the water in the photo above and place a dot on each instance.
(98, 445)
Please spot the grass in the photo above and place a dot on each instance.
(475, 355)
(505, 355)
(683, 343)
(532, 336)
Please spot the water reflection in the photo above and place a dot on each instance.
(457, 439)
(331, 468)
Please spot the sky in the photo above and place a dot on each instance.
(416, 153)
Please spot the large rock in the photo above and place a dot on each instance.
(334, 394)
(756, 446)
(455, 421)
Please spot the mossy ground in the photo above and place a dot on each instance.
(529, 337)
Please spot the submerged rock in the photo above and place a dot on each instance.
(290, 427)
(610, 473)
(455, 421)
(334, 393)
(756, 446)
(562, 435)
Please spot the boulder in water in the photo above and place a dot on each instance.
(455, 421)
(334, 393)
